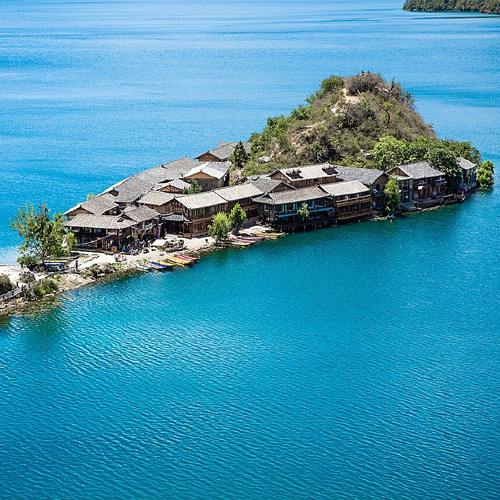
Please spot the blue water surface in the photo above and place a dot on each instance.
(355, 362)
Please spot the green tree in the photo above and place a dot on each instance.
(237, 217)
(220, 227)
(392, 197)
(485, 175)
(42, 234)
(389, 152)
(69, 242)
(193, 189)
(239, 156)
(90, 196)
(303, 212)
(444, 160)
(5, 284)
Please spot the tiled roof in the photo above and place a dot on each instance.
(345, 188)
(239, 192)
(291, 196)
(419, 170)
(140, 214)
(99, 221)
(309, 172)
(225, 149)
(265, 184)
(212, 169)
(466, 164)
(201, 200)
(157, 198)
(367, 176)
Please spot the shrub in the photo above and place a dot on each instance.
(45, 286)
(5, 284)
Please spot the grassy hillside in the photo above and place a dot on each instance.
(483, 6)
(340, 123)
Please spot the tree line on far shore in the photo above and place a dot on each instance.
(483, 6)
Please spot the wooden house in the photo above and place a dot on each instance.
(308, 176)
(469, 175)
(196, 211)
(419, 181)
(280, 208)
(375, 180)
(102, 204)
(222, 152)
(209, 175)
(268, 185)
(242, 194)
(352, 200)
(177, 186)
(158, 200)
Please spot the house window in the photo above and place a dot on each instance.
(266, 208)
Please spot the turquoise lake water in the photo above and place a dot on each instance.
(355, 362)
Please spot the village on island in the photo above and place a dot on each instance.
(161, 218)
(154, 203)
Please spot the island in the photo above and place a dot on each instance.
(355, 150)
(482, 6)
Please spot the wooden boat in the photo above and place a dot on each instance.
(161, 265)
(178, 261)
(144, 267)
(188, 257)
(270, 236)
(240, 243)
(252, 238)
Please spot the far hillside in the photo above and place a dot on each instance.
(360, 121)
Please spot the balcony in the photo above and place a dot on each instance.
(354, 200)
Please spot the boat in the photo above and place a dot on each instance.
(240, 243)
(161, 265)
(188, 257)
(144, 267)
(252, 238)
(240, 240)
(178, 261)
(270, 236)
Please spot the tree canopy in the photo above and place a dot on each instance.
(303, 211)
(239, 156)
(220, 227)
(485, 175)
(237, 217)
(42, 235)
(392, 197)
(193, 189)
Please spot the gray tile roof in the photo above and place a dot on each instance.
(157, 198)
(97, 206)
(309, 172)
(367, 176)
(225, 149)
(181, 165)
(178, 184)
(131, 189)
(239, 192)
(419, 170)
(140, 214)
(265, 184)
(201, 200)
(345, 188)
(466, 164)
(212, 169)
(292, 196)
(99, 222)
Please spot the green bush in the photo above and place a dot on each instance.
(5, 284)
(45, 286)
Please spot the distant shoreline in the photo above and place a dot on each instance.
(477, 6)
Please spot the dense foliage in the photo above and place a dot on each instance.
(392, 197)
(5, 284)
(303, 211)
(340, 123)
(42, 235)
(484, 6)
(485, 175)
(220, 227)
(239, 156)
(194, 188)
(237, 217)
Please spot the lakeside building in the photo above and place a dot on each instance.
(351, 199)
(242, 194)
(375, 180)
(174, 186)
(102, 204)
(268, 185)
(469, 175)
(308, 176)
(222, 152)
(209, 175)
(160, 201)
(419, 182)
(280, 208)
